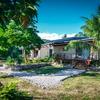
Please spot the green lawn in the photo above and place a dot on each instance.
(83, 87)
(46, 70)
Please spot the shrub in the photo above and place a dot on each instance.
(42, 60)
(10, 92)
(10, 61)
(19, 59)
(95, 63)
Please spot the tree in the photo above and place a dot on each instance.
(92, 29)
(23, 12)
(80, 34)
(17, 23)
(78, 44)
(18, 37)
(3, 44)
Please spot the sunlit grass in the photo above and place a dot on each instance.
(83, 87)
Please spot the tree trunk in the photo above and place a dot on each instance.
(24, 56)
(98, 53)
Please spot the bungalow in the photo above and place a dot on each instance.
(56, 47)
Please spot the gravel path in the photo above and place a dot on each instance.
(46, 81)
(50, 81)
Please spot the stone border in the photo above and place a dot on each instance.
(30, 66)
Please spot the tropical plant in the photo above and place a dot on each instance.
(80, 34)
(17, 25)
(10, 92)
(92, 29)
(78, 45)
(23, 12)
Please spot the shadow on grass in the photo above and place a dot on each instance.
(46, 70)
(39, 98)
(91, 74)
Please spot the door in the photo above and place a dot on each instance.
(50, 52)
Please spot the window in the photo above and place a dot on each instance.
(36, 53)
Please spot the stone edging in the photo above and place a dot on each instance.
(24, 67)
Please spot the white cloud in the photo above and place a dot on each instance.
(71, 35)
(53, 36)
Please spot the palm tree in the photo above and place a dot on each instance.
(23, 12)
(79, 45)
(80, 34)
(92, 29)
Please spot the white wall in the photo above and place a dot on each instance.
(95, 55)
(44, 51)
(71, 53)
(68, 54)
(60, 49)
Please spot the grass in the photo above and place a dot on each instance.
(82, 87)
(46, 70)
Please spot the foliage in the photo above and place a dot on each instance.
(3, 53)
(16, 54)
(10, 61)
(23, 12)
(17, 27)
(95, 63)
(15, 18)
(15, 39)
(42, 60)
(10, 92)
(92, 28)
(78, 45)
(16, 35)
(80, 34)
(3, 44)
(81, 87)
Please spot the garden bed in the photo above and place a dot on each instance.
(30, 66)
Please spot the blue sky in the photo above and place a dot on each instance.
(64, 16)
